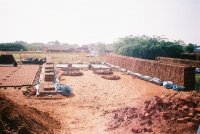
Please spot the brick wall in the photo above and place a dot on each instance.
(180, 74)
(193, 63)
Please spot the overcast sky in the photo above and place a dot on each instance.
(86, 21)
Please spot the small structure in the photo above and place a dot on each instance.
(7, 60)
(93, 53)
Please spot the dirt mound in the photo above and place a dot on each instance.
(22, 119)
(72, 73)
(175, 113)
(111, 77)
(103, 71)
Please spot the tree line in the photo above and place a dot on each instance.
(151, 47)
(12, 47)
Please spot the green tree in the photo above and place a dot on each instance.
(190, 48)
(148, 47)
(12, 47)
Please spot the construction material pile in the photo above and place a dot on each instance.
(111, 77)
(31, 90)
(173, 113)
(24, 120)
(103, 71)
(23, 75)
(72, 72)
(39, 61)
(49, 72)
(63, 89)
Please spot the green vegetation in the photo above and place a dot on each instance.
(21, 45)
(190, 48)
(12, 47)
(197, 79)
(150, 47)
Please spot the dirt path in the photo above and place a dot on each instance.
(83, 112)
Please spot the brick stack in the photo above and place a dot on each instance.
(48, 86)
(193, 63)
(49, 60)
(180, 74)
(49, 72)
(23, 75)
(49, 75)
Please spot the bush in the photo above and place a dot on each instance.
(11, 47)
(147, 47)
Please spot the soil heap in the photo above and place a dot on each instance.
(23, 119)
(103, 71)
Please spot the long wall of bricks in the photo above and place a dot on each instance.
(183, 75)
(193, 63)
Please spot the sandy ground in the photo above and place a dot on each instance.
(83, 112)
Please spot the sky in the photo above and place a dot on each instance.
(89, 21)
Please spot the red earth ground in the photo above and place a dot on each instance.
(93, 96)
(21, 119)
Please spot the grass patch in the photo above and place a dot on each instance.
(197, 81)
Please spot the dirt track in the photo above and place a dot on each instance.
(83, 112)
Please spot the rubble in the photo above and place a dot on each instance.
(29, 91)
(175, 112)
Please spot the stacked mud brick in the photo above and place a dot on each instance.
(193, 63)
(23, 75)
(49, 75)
(180, 74)
(49, 72)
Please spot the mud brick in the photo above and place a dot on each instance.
(181, 120)
(195, 120)
(49, 70)
(193, 63)
(49, 76)
(197, 110)
(180, 74)
(48, 66)
(49, 86)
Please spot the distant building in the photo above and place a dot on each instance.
(82, 49)
(92, 53)
(65, 48)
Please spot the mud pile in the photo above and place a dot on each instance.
(24, 120)
(103, 71)
(111, 77)
(173, 113)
